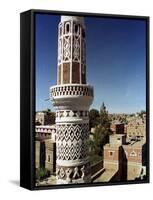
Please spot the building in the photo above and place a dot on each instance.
(45, 148)
(118, 128)
(124, 161)
(136, 128)
(72, 98)
(44, 118)
(114, 159)
(45, 132)
(136, 163)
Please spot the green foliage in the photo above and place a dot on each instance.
(104, 119)
(42, 173)
(95, 158)
(48, 110)
(101, 122)
(93, 118)
(96, 117)
(100, 138)
(51, 114)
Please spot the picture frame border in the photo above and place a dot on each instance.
(27, 98)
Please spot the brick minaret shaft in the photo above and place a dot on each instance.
(72, 98)
(71, 51)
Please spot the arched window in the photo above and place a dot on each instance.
(76, 29)
(67, 27)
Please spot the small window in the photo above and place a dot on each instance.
(110, 153)
(67, 28)
(133, 154)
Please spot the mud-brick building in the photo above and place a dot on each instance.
(45, 148)
(136, 128)
(114, 158)
(118, 128)
(135, 155)
(124, 161)
(44, 118)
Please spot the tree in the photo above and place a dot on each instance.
(104, 118)
(102, 130)
(42, 173)
(51, 114)
(93, 118)
(48, 110)
(100, 138)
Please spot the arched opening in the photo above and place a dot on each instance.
(76, 29)
(67, 28)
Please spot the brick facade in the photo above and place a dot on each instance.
(126, 158)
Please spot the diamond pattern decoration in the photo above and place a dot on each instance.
(76, 49)
(67, 48)
(72, 141)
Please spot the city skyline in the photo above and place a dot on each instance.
(116, 61)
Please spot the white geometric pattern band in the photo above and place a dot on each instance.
(72, 141)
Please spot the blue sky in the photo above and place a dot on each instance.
(116, 61)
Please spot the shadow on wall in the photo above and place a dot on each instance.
(42, 154)
(121, 174)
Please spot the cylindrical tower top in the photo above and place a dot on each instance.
(73, 18)
(71, 51)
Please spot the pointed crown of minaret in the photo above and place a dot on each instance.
(71, 51)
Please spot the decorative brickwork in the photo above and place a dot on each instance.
(66, 73)
(72, 98)
(73, 90)
(71, 50)
(72, 141)
(71, 175)
(59, 74)
(75, 73)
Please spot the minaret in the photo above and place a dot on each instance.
(72, 98)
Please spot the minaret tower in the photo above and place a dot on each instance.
(72, 98)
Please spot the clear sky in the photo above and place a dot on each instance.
(116, 61)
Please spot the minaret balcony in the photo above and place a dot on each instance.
(72, 95)
(71, 90)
